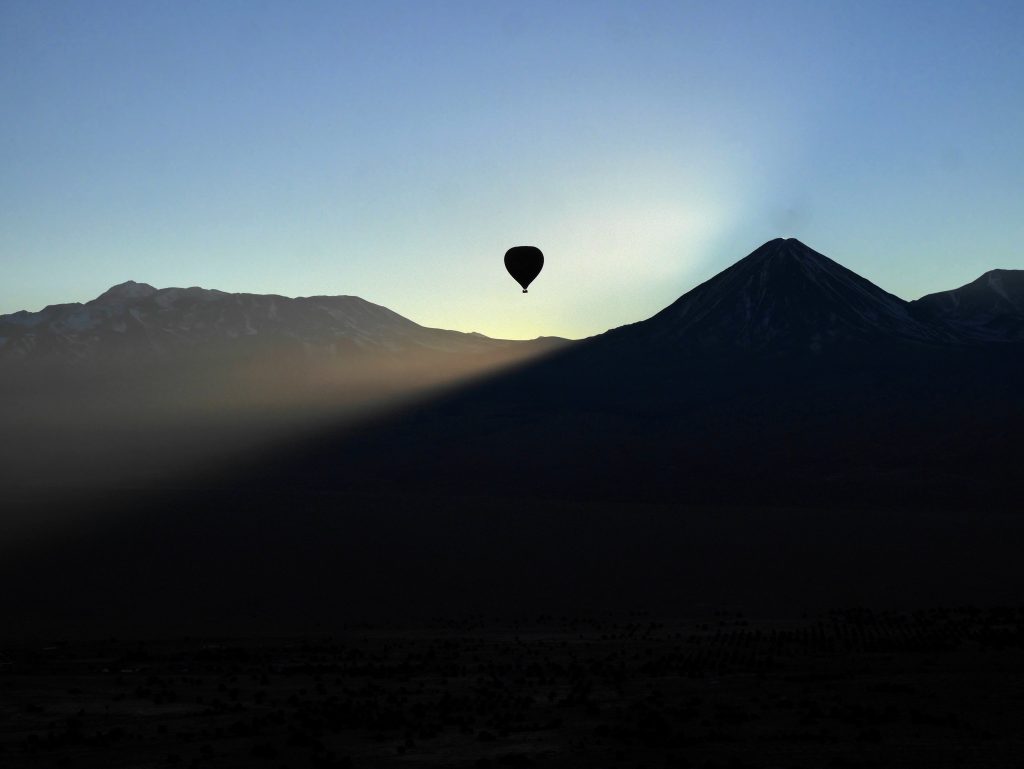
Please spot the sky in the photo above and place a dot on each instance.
(395, 150)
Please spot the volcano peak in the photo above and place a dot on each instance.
(785, 295)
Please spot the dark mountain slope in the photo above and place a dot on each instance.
(784, 295)
(990, 308)
(136, 321)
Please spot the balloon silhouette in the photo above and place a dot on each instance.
(524, 264)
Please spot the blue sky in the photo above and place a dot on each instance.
(394, 150)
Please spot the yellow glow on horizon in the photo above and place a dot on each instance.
(604, 262)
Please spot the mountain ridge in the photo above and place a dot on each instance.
(133, 319)
(989, 308)
(785, 295)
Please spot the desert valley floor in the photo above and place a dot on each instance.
(852, 688)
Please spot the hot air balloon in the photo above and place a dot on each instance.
(524, 264)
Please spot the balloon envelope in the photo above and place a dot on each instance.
(524, 264)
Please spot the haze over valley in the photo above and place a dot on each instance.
(142, 385)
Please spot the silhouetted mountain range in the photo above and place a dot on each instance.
(782, 296)
(786, 434)
(135, 320)
(786, 378)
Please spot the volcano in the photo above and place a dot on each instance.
(785, 295)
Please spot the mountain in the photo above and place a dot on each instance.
(990, 308)
(785, 379)
(784, 435)
(784, 295)
(136, 320)
(143, 384)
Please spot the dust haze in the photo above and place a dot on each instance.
(74, 431)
